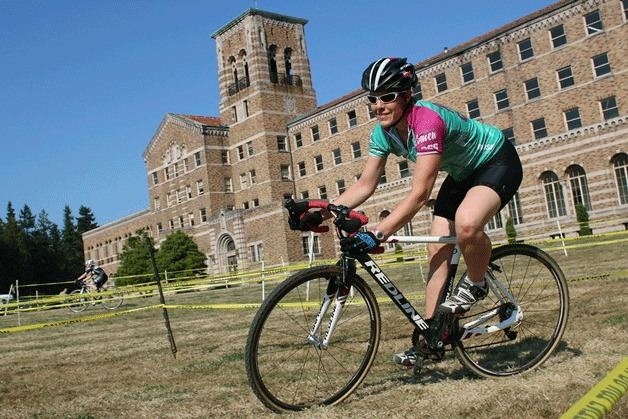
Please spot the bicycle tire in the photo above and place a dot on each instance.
(289, 373)
(112, 298)
(538, 284)
(77, 301)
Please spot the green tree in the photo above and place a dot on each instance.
(135, 263)
(86, 220)
(582, 215)
(179, 254)
(71, 245)
(511, 231)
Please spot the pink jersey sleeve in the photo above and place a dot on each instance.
(429, 130)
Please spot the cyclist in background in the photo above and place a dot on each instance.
(96, 275)
(484, 172)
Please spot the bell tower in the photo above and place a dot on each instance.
(265, 81)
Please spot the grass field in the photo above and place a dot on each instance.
(123, 366)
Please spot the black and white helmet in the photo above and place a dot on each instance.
(389, 74)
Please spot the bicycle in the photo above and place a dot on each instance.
(108, 296)
(302, 352)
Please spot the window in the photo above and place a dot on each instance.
(383, 178)
(565, 77)
(557, 36)
(353, 118)
(157, 203)
(404, 169)
(188, 191)
(245, 105)
(340, 186)
(301, 168)
(179, 196)
(281, 143)
(243, 181)
(538, 128)
(525, 49)
(532, 88)
(298, 141)
(305, 195)
(253, 177)
(186, 165)
(240, 152)
(315, 134)
(579, 187)
(285, 172)
(199, 187)
(467, 72)
(355, 149)
(417, 92)
(318, 163)
(407, 230)
(624, 7)
(554, 196)
(509, 134)
(228, 184)
(305, 240)
(155, 178)
(171, 224)
(495, 222)
(246, 205)
(601, 65)
(224, 156)
(495, 61)
(249, 147)
(191, 219)
(371, 113)
(203, 213)
(473, 109)
(322, 192)
(197, 158)
(609, 108)
(501, 99)
(176, 169)
(169, 199)
(593, 23)
(159, 228)
(514, 210)
(234, 111)
(337, 157)
(441, 82)
(167, 173)
(620, 166)
(255, 202)
(333, 126)
(572, 118)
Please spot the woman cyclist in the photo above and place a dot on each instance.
(483, 173)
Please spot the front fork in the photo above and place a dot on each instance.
(337, 289)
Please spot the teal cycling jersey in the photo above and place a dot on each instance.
(465, 144)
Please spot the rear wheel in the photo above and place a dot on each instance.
(77, 301)
(539, 288)
(111, 297)
(287, 368)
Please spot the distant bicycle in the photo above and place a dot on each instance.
(109, 296)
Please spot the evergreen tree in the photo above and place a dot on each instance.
(86, 220)
(511, 231)
(179, 254)
(71, 245)
(582, 215)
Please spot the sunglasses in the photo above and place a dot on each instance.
(385, 98)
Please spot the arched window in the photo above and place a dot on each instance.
(579, 186)
(515, 210)
(287, 57)
(246, 69)
(554, 195)
(272, 63)
(620, 166)
(234, 68)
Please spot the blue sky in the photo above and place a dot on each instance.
(84, 84)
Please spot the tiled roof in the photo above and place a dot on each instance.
(205, 120)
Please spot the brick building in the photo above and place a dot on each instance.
(554, 81)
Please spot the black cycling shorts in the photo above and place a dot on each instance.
(502, 173)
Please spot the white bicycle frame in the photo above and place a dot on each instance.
(467, 330)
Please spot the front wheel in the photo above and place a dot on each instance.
(287, 367)
(541, 302)
(112, 298)
(77, 301)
